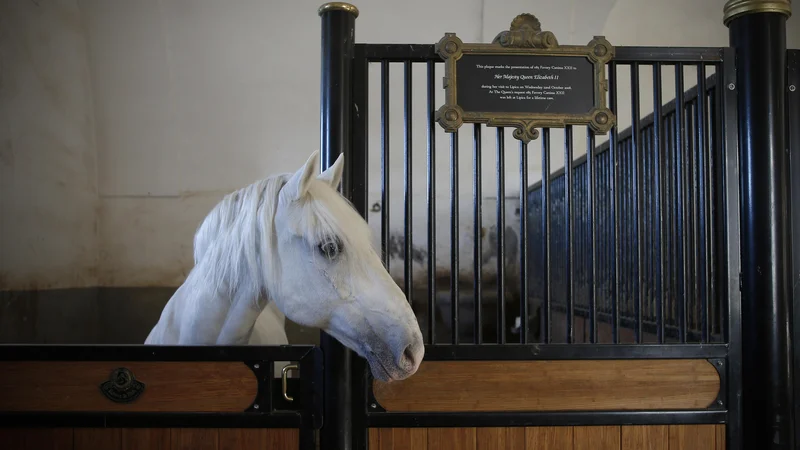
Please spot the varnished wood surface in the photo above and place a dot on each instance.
(169, 386)
(148, 439)
(442, 386)
(667, 437)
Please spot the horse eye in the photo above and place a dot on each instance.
(330, 249)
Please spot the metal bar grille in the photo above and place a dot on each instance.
(623, 245)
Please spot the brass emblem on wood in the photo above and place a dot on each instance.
(526, 80)
(122, 386)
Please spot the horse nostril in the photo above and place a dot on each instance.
(408, 357)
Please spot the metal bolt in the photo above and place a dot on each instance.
(373, 406)
(255, 406)
(719, 363)
(731, 86)
(256, 366)
(792, 88)
(719, 402)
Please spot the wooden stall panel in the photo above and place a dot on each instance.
(447, 386)
(597, 438)
(168, 386)
(149, 439)
(638, 437)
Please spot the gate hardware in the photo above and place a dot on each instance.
(122, 386)
(283, 380)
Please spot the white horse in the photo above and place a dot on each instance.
(291, 245)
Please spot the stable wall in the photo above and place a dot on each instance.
(48, 159)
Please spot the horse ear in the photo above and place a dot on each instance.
(333, 174)
(297, 185)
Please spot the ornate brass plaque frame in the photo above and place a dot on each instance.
(525, 37)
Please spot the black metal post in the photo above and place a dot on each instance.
(758, 35)
(793, 128)
(338, 42)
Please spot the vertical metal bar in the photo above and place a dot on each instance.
(694, 216)
(546, 315)
(454, 235)
(636, 168)
(568, 219)
(385, 162)
(501, 225)
(658, 148)
(431, 205)
(702, 156)
(733, 293)
(478, 255)
(793, 128)
(523, 242)
(760, 41)
(614, 150)
(407, 227)
(591, 204)
(716, 166)
(680, 136)
(356, 189)
(338, 29)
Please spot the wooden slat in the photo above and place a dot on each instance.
(282, 439)
(146, 438)
(549, 438)
(452, 438)
(43, 439)
(97, 438)
(169, 386)
(12, 438)
(442, 386)
(403, 439)
(194, 439)
(647, 437)
(597, 438)
(374, 439)
(692, 437)
(243, 438)
(720, 439)
(512, 438)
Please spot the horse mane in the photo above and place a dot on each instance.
(236, 234)
(237, 242)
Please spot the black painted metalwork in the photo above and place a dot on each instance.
(431, 204)
(338, 31)
(477, 255)
(793, 129)
(760, 43)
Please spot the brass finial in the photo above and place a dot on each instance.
(338, 6)
(737, 8)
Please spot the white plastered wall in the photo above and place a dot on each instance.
(149, 111)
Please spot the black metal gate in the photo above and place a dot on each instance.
(630, 252)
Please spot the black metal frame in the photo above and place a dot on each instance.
(793, 140)
(272, 411)
(367, 412)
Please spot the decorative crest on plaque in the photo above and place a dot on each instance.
(526, 80)
(526, 32)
